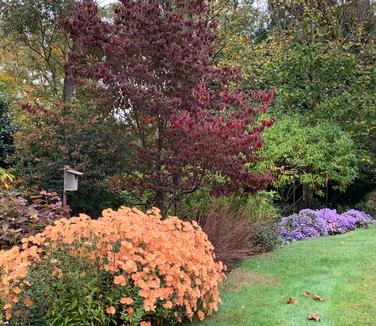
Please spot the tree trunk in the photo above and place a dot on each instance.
(159, 202)
(307, 196)
(68, 89)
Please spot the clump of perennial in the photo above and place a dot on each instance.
(302, 226)
(310, 223)
(336, 223)
(167, 262)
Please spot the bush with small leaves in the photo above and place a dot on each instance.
(310, 223)
(302, 226)
(266, 237)
(127, 267)
(19, 219)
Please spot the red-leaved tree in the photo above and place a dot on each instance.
(188, 123)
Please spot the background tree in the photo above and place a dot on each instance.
(320, 56)
(71, 135)
(313, 158)
(190, 124)
(34, 48)
(6, 133)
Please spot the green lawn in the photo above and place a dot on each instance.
(340, 268)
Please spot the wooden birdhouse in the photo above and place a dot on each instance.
(70, 181)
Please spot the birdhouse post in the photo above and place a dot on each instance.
(70, 182)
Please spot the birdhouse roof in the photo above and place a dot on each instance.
(74, 172)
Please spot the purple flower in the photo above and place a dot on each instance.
(336, 223)
(359, 216)
(310, 223)
(302, 226)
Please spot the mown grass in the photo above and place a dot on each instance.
(342, 269)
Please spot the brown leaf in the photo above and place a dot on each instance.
(318, 298)
(292, 300)
(313, 316)
(307, 294)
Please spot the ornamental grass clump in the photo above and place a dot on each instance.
(127, 267)
(302, 226)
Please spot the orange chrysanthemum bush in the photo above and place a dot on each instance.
(127, 267)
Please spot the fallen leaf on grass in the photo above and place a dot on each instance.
(292, 300)
(307, 294)
(318, 298)
(313, 316)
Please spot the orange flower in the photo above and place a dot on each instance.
(28, 302)
(167, 305)
(145, 323)
(120, 280)
(111, 310)
(17, 290)
(200, 315)
(8, 314)
(7, 306)
(130, 311)
(126, 300)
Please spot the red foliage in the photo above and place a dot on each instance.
(152, 66)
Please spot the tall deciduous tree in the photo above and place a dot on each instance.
(314, 156)
(37, 46)
(321, 57)
(6, 133)
(190, 124)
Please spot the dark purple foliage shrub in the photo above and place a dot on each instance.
(20, 219)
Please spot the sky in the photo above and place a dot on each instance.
(105, 2)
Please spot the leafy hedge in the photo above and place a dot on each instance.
(127, 267)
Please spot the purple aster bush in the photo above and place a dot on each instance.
(310, 223)
(302, 226)
(336, 223)
(360, 217)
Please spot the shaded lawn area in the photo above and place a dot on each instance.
(342, 269)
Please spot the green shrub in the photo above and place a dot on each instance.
(257, 207)
(266, 237)
(368, 205)
(260, 206)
